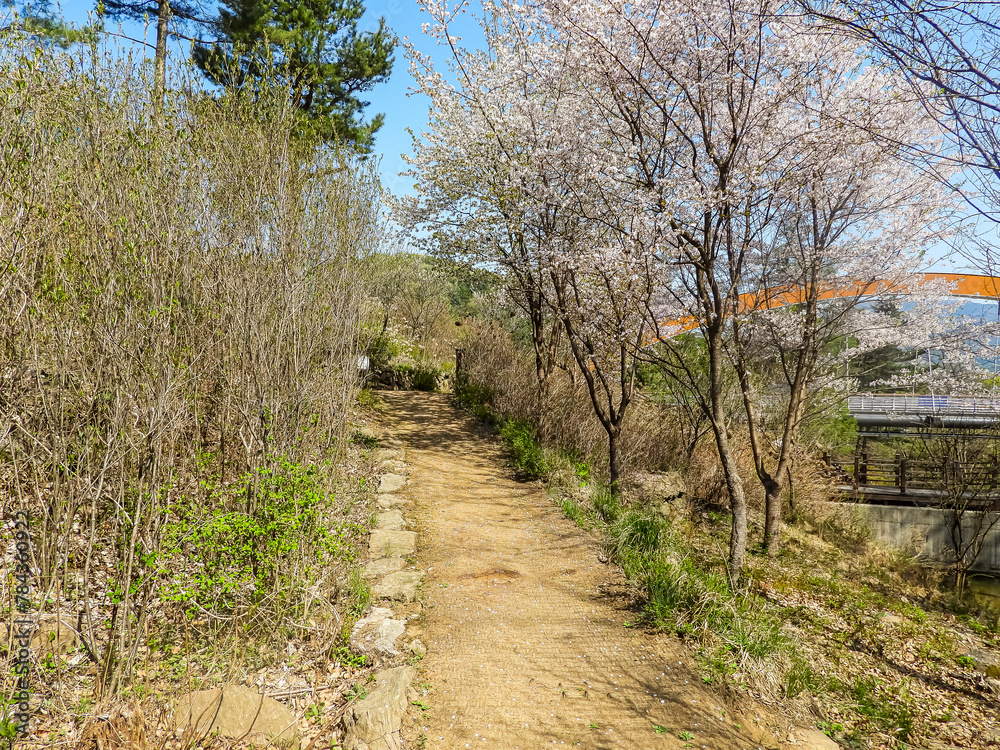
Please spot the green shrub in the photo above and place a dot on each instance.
(421, 377)
(572, 510)
(473, 397)
(525, 452)
(240, 547)
(425, 377)
(681, 595)
(640, 532)
(381, 350)
(362, 438)
(606, 504)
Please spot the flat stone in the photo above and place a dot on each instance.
(382, 566)
(391, 520)
(984, 661)
(417, 647)
(391, 482)
(237, 712)
(384, 543)
(400, 586)
(376, 633)
(994, 685)
(391, 455)
(374, 723)
(388, 501)
(813, 739)
(393, 466)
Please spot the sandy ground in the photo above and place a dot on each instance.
(526, 629)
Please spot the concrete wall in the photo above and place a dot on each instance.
(924, 532)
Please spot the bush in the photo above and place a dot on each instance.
(422, 376)
(525, 452)
(380, 350)
(472, 395)
(254, 541)
(425, 377)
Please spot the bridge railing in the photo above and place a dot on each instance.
(901, 403)
(906, 474)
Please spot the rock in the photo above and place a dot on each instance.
(382, 566)
(392, 520)
(662, 491)
(391, 483)
(892, 620)
(388, 501)
(417, 648)
(401, 586)
(390, 455)
(984, 661)
(376, 633)
(237, 712)
(374, 723)
(55, 635)
(813, 739)
(394, 466)
(384, 543)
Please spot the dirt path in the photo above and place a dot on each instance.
(524, 625)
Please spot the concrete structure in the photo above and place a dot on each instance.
(925, 531)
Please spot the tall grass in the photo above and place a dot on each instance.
(739, 640)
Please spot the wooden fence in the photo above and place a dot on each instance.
(946, 476)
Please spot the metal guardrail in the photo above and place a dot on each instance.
(923, 405)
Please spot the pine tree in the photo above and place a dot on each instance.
(315, 49)
(39, 19)
(164, 11)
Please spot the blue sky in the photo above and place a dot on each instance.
(404, 17)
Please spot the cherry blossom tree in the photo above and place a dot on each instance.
(850, 212)
(948, 51)
(655, 166)
(474, 187)
(739, 140)
(501, 181)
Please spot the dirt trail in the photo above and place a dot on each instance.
(524, 625)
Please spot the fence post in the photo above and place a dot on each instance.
(902, 476)
(459, 356)
(863, 477)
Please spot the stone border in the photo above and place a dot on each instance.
(375, 722)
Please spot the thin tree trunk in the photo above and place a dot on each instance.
(160, 60)
(614, 456)
(773, 512)
(734, 485)
(738, 503)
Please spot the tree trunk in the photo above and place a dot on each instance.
(773, 508)
(737, 495)
(738, 503)
(160, 60)
(614, 457)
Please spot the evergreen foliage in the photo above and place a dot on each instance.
(315, 49)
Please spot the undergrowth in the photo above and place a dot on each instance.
(739, 640)
(520, 439)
